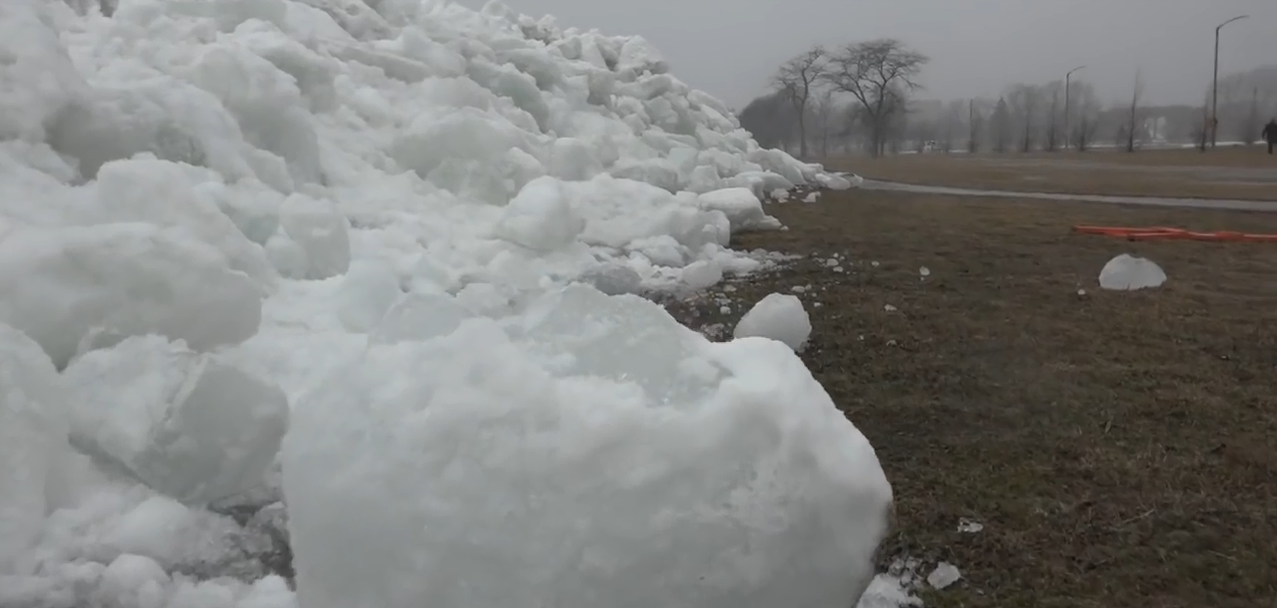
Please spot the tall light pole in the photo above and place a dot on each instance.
(1067, 115)
(1214, 89)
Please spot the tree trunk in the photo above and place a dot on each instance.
(802, 136)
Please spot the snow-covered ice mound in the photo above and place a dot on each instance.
(590, 451)
(213, 212)
(778, 316)
(1129, 273)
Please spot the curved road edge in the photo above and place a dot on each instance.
(1154, 201)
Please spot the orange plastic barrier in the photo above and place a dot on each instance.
(1162, 232)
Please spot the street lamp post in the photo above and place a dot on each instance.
(1068, 116)
(1214, 89)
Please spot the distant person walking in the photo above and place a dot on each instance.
(1270, 134)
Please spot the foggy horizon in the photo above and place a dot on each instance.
(977, 47)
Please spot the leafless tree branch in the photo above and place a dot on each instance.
(796, 81)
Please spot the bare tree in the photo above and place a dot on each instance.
(825, 111)
(879, 74)
(1202, 133)
(1084, 132)
(1001, 128)
(1024, 100)
(953, 117)
(920, 132)
(769, 119)
(1253, 125)
(796, 81)
(845, 126)
(975, 120)
(1088, 108)
(1134, 119)
(1052, 128)
(1030, 109)
(1244, 94)
(1119, 135)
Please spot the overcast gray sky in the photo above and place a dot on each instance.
(729, 47)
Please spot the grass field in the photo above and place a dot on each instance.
(1244, 173)
(1117, 447)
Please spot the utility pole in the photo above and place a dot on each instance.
(1214, 89)
(1067, 115)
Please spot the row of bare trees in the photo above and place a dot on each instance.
(1027, 117)
(862, 95)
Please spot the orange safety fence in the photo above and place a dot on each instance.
(1162, 232)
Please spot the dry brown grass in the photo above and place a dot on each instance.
(1231, 173)
(1116, 446)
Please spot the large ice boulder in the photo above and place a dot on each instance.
(1129, 273)
(77, 288)
(33, 441)
(592, 452)
(187, 424)
(419, 316)
(39, 80)
(134, 580)
(162, 193)
(778, 316)
(540, 217)
(741, 206)
(320, 233)
(367, 291)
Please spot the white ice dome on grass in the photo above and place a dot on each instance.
(778, 316)
(589, 452)
(297, 190)
(1130, 273)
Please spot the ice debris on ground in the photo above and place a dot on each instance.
(356, 223)
(945, 574)
(887, 591)
(780, 317)
(741, 206)
(1129, 273)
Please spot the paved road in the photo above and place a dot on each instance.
(1200, 203)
